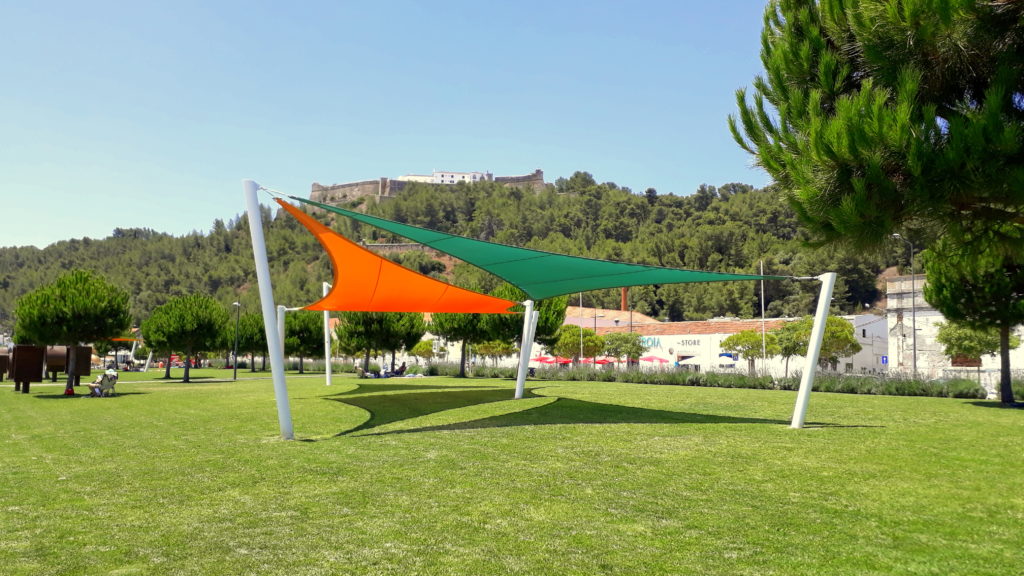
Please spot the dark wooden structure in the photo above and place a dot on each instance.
(27, 366)
(5, 362)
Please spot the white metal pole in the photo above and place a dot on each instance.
(828, 281)
(281, 310)
(274, 343)
(581, 327)
(764, 345)
(913, 310)
(524, 349)
(327, 338)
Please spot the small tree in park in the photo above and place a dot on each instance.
(423, 349)
(568, 343)
(189, 324)
(627, 345)
(980, 291)
(304, 335)
(551, 315)
(252, 337)
(792, 338)
(963, 341)
(467, 328)
(78, 307)
(749, 344)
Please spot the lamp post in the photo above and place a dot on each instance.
(234, 353)
(913, 304)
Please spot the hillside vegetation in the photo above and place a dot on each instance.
(730, 228)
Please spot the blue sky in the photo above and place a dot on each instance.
(149, 114)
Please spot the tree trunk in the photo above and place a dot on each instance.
(750, 367)
(462, 361)
(786, 373)
(366, 362)
(167, 372)
(1005, 384)
(188, 364)
(69, 388)
(392, 360)
(301, 371)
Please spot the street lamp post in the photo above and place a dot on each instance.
(913, 304)
(234, 353)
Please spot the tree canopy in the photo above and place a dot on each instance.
(980, 291)
(188, 324)
(874, 116)
(78, 307)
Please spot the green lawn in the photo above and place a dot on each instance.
(448, 476)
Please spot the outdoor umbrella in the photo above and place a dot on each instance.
(653, 359)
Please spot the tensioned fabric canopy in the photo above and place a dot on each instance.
(365, 282)
(540, 274)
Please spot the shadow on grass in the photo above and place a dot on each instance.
(388, 408)
(365, 388)
(61, 396)
(572, 411)
(997, 404)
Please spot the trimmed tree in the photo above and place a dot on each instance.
(467, 328)
(304, 335)
(188, 324)
(568, 343)
(978, 291)
(748, 344)
(966, 342)
(78, 307)
(621, 345)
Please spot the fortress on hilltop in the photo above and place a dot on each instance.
(384, 187)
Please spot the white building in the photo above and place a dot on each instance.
(448, 177)
(697, 345)
(907, 311)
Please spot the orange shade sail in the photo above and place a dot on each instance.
(365, 282)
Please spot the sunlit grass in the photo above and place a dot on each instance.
(449, 476)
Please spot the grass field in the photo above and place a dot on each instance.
(449, 476)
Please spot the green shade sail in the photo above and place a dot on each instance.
(540, 274)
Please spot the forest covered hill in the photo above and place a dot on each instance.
(730, 228)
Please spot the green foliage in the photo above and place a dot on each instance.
(367, 332)
(624, 345)
(750, 345)
(495, 349)
(873, 116)
(570, 340)
(980, 289)
(78, 307)
(188, 324)
(304, 335)
(959, 340)
(509, 327)
(423, 349)
(252, 337)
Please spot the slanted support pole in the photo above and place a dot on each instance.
(280, 328)
(327, 338)
(828, 281)
(274, 343)
(529, 325)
